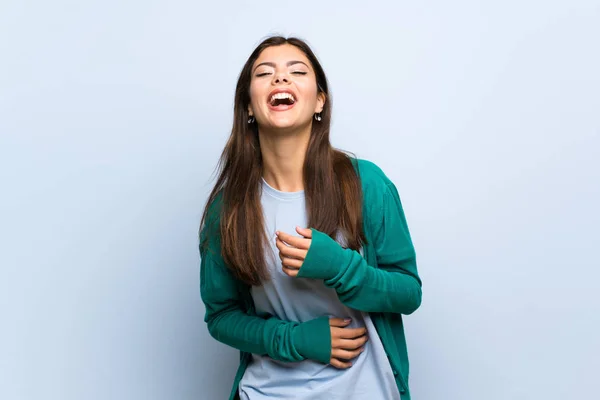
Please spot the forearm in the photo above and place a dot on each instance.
(383, 288)
(375, 289)
(280, 340)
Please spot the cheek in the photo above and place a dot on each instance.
(309, 92)
(255, 95)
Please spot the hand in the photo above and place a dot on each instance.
(346, 343)
(293, 250)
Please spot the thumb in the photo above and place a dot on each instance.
(307, 233)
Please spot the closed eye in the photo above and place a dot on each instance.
(293, 72)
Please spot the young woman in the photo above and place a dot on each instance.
(306, 260)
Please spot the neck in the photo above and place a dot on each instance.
(283, 159)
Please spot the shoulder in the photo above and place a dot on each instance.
(214, 206)
(379, 192)
(371, 175)
(210, 230)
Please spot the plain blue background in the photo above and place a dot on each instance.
(112, 117)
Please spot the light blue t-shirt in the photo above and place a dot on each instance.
(300, 299)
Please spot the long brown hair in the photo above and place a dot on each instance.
(331, 185)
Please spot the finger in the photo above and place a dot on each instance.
(337, 340)
(334, 362)
(294, 241)
(291, 263)
(290, 251)
(342, 354)
(351, 333)
(306, 232)
(339, 322)
(349, 344)
(290, 272)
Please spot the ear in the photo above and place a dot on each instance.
(321, 98)
(250, 112)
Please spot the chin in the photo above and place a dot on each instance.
(288, 124)
(283, 124)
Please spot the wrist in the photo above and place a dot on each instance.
(321, 261)
(312, 339)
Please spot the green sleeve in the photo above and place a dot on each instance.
(230, 324)
(393, 285)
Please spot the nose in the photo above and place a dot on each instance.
(280, 77)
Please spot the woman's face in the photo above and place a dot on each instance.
(283, 89)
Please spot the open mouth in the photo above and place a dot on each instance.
(282, 101)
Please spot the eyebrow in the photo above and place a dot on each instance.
(289, 64)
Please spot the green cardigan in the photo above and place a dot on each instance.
(384, 283)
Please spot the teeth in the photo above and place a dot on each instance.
(281, 96)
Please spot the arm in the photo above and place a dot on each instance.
(393, 285)
(230, 324)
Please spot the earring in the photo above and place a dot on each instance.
(318, 116)
(251, 119)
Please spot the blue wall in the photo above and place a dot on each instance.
(112, 117)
